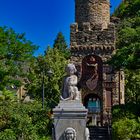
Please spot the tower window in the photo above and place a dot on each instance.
(98, 37)
(86, 39)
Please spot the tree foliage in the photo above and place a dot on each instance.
(128, 44)
(61, 45)
(55, 61)
(15, 53)
(128, 47)
(26, 121)
(126, 122)
(132, 86)
(126, 118)
(128, 8)
(125, 129)
(60, 42)
(29, 121)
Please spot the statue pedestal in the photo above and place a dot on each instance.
(70, 114)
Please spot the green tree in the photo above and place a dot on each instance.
(128, 8)
(125, 129)
(60, 44)
(126, 121)
(15, 53)
(55, 61)
(128, 44)
(126, 124)
(132, 86)
(128, 41)
(25, 121)
(128, 47)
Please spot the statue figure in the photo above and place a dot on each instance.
(70, 90)
(70, 134)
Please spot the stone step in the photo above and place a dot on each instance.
(99, 133)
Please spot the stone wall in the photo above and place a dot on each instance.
(97, 12)
(92, 40)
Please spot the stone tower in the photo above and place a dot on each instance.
(92, 41)
(97, 12)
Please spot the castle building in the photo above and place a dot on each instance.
(92, 39)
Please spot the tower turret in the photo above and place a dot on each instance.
(97, 12)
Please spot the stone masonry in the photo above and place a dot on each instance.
(93, 35)
(93, 11)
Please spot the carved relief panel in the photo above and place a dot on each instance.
(91, 72)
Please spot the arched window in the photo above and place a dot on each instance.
(92, 103)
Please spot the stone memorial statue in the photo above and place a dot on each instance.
(70, 134)
(70, 90)
(70, 115)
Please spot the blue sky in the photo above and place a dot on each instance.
(41, 20)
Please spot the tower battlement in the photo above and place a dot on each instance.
(92, 38)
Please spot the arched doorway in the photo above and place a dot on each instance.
(93, 103)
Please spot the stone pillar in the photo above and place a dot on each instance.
(104, 107)
(70, 114)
